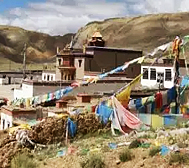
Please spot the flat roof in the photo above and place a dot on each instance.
(113, 49)
(160, 65)
(79, 54)
(18, 109)
(21, 72)
(48, 83)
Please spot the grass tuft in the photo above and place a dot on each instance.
(134, 144)
(181, 158)
(153, 151)
(94, 161)
(23, 160)
(125, 155)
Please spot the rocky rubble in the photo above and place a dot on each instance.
(89, 124)
(49, 131)
(8, 148)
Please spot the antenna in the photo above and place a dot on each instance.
(24, 61)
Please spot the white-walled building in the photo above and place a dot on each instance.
(160, 73)
(11, 114)
(31, 88)
(16, 77)
(48, 75)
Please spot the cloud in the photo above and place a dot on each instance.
(57, 17)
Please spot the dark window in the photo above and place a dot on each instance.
(59, 62)
(3, 123)
(8, 124)
(48, 77)
(44, 77)
(51, 78)
(80, 61)
(152, 74)
(145, 73)
(167, 74)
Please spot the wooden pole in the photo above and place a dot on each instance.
(67, 133)
(176, 82)
(24, 62)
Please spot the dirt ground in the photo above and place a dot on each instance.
(110, 156)
(99, 145)
(3, 134)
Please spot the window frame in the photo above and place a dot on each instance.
(153, 70)
(168, 78)
(146, 73)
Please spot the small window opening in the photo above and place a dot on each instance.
(80, 61)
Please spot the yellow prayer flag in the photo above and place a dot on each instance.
(144, 100)
(90, 79)
(124, 95)
(95, 79)
(28, 102)
(141, 60)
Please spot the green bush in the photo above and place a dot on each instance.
(153, 151)
(94, 161)
(125, 155)
(23, 160)
(178, 158)
(134, 144)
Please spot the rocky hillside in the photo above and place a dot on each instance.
(40, 47)
(142, 32)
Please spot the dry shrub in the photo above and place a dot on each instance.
(23, 160)
(153, 151)
(94, 161)
(134, 144)
(181, 158)
(125, 155)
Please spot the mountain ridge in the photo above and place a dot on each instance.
(138, 33)
(40, 46)
(141, 33)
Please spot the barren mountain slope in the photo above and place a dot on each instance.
(143, 32)
(40, 47)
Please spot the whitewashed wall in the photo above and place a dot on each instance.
(79, 69)
(3, 81)
(25, 92)
(8, 119)
(151, 83)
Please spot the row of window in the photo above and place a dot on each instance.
(48, 78)
(168, 75)
(69, 62)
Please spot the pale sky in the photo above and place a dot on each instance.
(58, 17)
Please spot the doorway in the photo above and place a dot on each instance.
(160, 79)
(9, 80)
